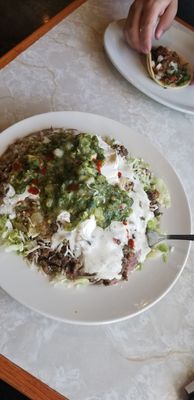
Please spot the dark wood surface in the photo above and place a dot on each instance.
(186, 11)
(37, 33)
(25, 383)
(23, 22)
(20, 18)
(7, 392)
(191, 27)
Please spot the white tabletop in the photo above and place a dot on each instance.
(150, 356)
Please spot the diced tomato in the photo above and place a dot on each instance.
(43, 170)
(131, 243)
(33, 190)
(98, 165)
(117, 241)
(119, 174)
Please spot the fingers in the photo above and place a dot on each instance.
(131, 30)
(148, 23)
(166, 19)
(148, 18)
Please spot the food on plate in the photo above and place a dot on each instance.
(78, 206)
(168, 68)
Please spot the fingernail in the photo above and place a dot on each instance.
(145, 50)
(159, 34)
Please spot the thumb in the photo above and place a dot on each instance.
(165, 21)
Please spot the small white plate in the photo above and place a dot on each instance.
(132, 65)
(99, 304)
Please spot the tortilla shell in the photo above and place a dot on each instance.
(183, 61)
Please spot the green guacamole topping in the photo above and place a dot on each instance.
(65, 170)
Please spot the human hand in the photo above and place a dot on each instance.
(146, 19)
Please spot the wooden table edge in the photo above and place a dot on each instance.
(24, 44)
(26, 383)
(29, 40)
(188, 26)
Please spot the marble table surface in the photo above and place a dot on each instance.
(152, 355)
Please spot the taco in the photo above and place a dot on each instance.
(168, 68)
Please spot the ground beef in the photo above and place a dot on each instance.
(129, 262)
(153, 195)
(121, 150)
(165, 53)
(107, 282)
(55, 262)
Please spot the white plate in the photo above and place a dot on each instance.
(132, 65)
(100, 304)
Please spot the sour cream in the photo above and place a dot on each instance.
(64, 216)
(110, 165)
(102, 249)
(11, 199)
(137, 221)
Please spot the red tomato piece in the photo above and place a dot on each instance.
(131, 243)
(98, 165)
(33, 190)
(43, 170)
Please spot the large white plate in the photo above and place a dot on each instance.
(96, 304)
(132, 65)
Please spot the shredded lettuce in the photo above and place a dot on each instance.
(158, 250)
(142, 169)
(154, 225)
(164, 195)
(164, 249)
(61, 279)
(3, 220)
(4, 228)
(149, 181)
(139, 267)
(14, 239)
